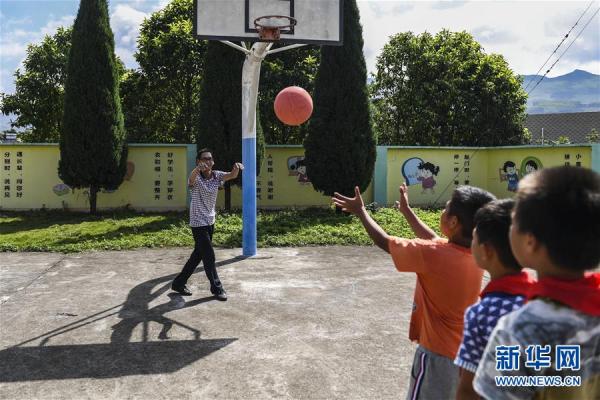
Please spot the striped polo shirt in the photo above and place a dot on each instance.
(204, 199)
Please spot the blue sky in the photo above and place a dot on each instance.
(525, 32)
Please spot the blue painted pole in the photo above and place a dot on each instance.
(250, 80)
(249, 197)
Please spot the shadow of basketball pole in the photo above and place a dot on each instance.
(119, 357)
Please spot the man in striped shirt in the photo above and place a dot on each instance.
(204, 185)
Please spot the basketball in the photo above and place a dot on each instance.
(293, 106)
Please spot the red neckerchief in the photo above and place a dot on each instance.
(515, 284)
(580, 294)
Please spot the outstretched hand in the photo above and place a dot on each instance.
(352, 205)
(403, 204)
(238, 166)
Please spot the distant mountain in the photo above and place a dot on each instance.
(577, 91)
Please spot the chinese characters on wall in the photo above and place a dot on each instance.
(574, 160)
(267, 193)
(12, 174)
(462, 166)
(164, 167)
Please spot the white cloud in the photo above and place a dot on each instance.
(54, 23)
(380, 8)
(13, 50)
(447, 4)
(489, 35)
(126, 55)
(524, 32)
(14, 42)
(125, 22)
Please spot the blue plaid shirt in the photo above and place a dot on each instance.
(480, 320)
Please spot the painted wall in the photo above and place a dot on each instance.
(433, 173)
(283, 182)
(157, 175)
(156, 179)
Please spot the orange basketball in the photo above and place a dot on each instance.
(293, 105)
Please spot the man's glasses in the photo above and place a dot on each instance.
(206, 158)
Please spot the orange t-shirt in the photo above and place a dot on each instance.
(448, 281)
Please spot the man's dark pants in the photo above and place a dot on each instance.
(203, 251)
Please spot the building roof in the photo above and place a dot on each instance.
(575, 126)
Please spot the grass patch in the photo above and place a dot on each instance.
(69, 232)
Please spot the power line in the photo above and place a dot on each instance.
(561, 42)
(563, 53)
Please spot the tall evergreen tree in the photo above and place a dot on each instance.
(93, 152)
(340, 145)
(220, 112)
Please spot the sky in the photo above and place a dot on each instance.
(524, 32)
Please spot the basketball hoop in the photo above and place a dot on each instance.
(270, 27)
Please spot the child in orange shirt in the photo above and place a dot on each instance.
(448, 281)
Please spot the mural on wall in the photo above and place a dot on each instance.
(426, 173)
(512, 175)
(130, 170)
(297, 167)
(509, 173)
(415, 170)
(61, 189)
(529, 165)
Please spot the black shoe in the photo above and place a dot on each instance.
(220, 294)
(183, 290)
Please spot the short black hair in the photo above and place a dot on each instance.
(560, 206)
(430, 167)
(531, 163)
(204, 150)
(508, 164)
(465, 202)
(492, 222)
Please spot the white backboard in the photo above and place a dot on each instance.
(318, 21)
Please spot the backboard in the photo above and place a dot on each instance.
(318, 21)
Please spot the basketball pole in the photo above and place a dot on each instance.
(250, 81)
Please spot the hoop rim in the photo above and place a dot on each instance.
(292, 22)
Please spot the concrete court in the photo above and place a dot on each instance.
(300, 323)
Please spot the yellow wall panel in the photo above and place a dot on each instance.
(156, 180)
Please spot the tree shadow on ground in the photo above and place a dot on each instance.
(121, 232)
(34, 220)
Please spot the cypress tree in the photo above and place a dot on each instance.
(93, 152)
(220, 112)
(340, 145)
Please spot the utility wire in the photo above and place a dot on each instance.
(561, 42)
(563, 53)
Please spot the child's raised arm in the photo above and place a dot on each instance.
(356, 206)
(419, 227)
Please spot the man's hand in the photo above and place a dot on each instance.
(352, 205)
(201, 167)
(403, 205)
(238, 166)
(235, 171)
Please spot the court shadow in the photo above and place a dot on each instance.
(102, 361)
(120, 357)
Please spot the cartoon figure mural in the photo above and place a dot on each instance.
(130, 170)
(301, 168)
(529, 165)
(61, 189)
(509, 173)
(410, 170)
(297, 167)
(426, 173)
(415, 170)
